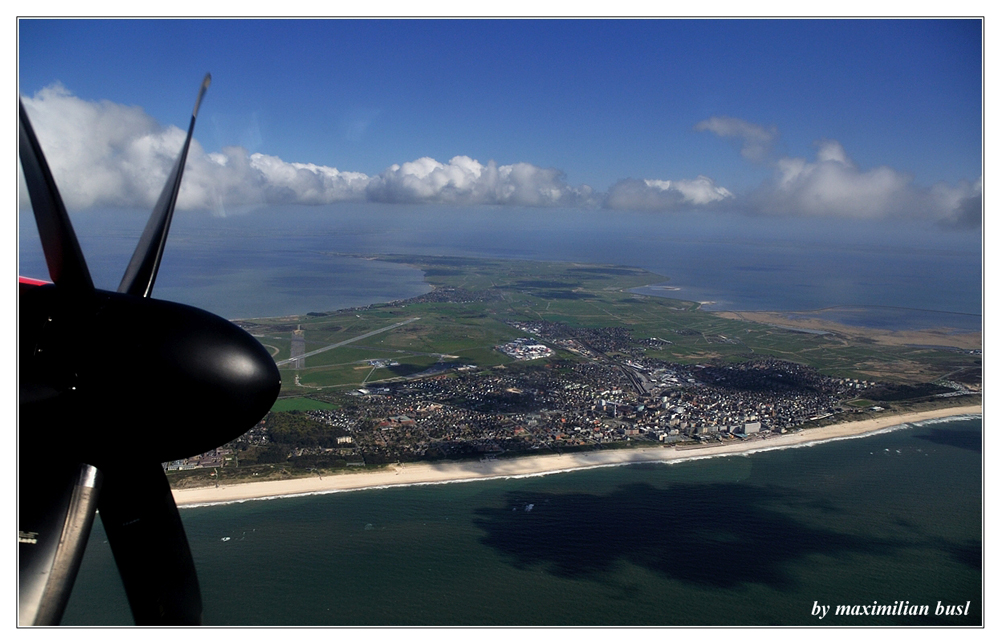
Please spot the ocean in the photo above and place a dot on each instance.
(763, 539)
(276, 262)
(758, 539)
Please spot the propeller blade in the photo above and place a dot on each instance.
(141, 272)
(67, 267)
(149, 545)
(55, 515)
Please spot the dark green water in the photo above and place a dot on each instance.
(749, 540)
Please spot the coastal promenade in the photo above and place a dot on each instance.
(458, 471)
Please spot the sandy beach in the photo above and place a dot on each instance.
(445, 472)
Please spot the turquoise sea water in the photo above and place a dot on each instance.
(746, 540)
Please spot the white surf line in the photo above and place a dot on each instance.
(340, 344)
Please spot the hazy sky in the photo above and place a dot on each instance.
(860, 119)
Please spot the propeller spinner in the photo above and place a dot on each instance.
(112, 385)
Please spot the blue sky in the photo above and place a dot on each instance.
(867, 119)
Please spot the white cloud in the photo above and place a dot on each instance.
(466, 181)
(235, 178)
(833, 185)
(306, 182)
(961, 205)
(754, 140)
(658, 194)
(104, 154)
(101, 153)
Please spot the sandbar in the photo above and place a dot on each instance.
(459, 471)
(968, 340)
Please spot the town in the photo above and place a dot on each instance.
(609, 396)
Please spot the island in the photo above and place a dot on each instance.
(513, 367)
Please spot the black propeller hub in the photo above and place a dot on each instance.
(142, 376)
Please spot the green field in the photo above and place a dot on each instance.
(300, 404)
(478, 296)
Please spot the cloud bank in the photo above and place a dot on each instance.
(106, 154)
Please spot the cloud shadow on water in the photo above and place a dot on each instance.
(718, 535)
(969, 553)
(961, 438)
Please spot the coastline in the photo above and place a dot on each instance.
(464, 471)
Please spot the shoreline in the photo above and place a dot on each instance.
(465, 471)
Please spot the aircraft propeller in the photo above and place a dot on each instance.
(111, 385)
